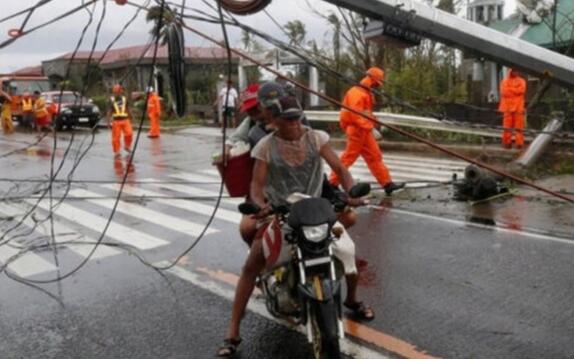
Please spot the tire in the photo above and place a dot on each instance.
(58, 124)
(244, 7)
(325, 337)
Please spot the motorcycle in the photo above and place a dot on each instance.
(302, 280)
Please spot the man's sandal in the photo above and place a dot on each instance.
(361, 311)
(229, 347)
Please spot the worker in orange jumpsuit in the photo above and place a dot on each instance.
(153, 112)
(6, 112)
(42, 117)
(512, 90)
(119, 119)
(360, 138)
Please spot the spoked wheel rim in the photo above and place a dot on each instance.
(317, 340)
(244, 7)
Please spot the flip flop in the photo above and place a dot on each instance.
(229, 347)
(361, 311)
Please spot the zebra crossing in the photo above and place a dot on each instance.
(82, 220)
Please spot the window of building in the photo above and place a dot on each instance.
(479, 14)
(491, 14)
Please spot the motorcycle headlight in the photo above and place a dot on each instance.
(316, 233)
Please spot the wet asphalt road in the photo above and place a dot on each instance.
(440, 287)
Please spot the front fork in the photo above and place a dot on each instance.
(318, 294)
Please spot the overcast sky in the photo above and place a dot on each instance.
(62, 37)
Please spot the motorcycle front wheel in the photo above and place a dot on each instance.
(325, 346)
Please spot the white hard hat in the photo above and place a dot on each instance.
(150, 89)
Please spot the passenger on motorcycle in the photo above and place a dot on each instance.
(266, 97)
(290, 160)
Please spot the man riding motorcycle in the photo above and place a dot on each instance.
(290, 160)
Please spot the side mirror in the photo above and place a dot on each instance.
(248, 208)
(360, 190)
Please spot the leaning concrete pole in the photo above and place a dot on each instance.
(541, 142)
(466, 35)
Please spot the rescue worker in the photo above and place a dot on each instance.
(119, 121)
(360, 138)
(27, 110)
(42, 117)
(512, 90)
(6, 114)
(153, 112)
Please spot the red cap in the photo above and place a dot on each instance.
(249, 98)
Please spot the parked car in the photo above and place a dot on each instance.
(75, 111)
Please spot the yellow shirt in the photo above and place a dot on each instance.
(40, 108)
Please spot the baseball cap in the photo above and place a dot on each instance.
(290, 108)
(270, 93)
(249, 98)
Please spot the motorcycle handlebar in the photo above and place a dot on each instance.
(248, 208)
(357, 191)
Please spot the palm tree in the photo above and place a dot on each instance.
(154, 14)
(296, 31)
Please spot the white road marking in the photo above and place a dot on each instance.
(199, 179)
(64, 234)
(193, 191)
(210, 172)
(196, 179)
(423, 164)
(27, 265)
(482, 226)
(115, 231)
(179, 225)
(188, 205)
(409, 169)
(256, 306)
(423, 159)
(399, 174)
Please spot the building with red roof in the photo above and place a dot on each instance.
(132, 67)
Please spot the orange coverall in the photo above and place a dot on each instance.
(6, 113)
(360, 139)
(512, 90)
(121, 124)
(41, 112)
(154, 114)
